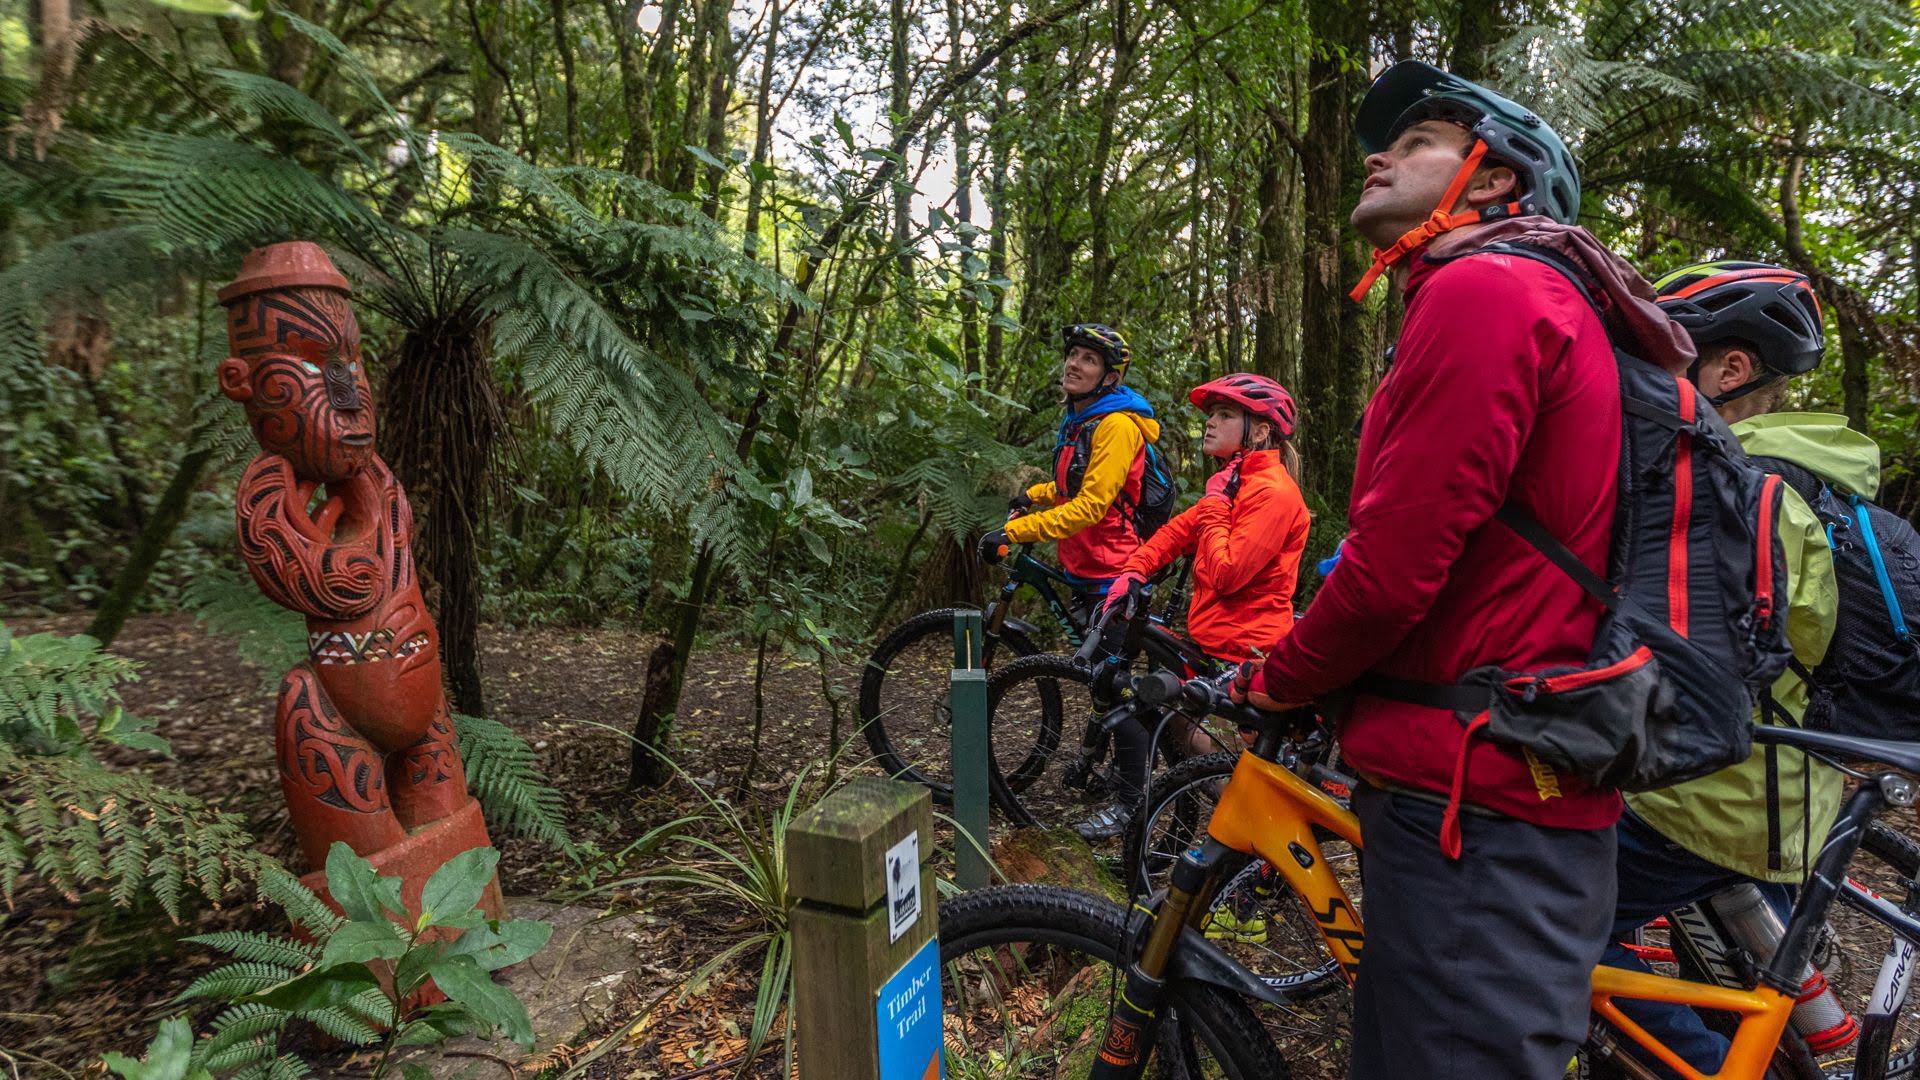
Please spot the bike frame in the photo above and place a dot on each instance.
(1269, 812)
(1025, 571)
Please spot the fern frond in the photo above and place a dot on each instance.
(242, 1034)
(342, 1024)
(280, 1068)
(263, 948)
(264, 96)
(268, 636)
(69, 815)
(277, 885)
(50, 685)
(236, 980)
(209, 195)
(356, 70)
(505, 776)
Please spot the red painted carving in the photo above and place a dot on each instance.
(365, 742)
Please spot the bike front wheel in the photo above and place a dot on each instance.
(1255, 918)
(906, 712)
(1028, 975)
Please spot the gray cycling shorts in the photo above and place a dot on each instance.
(1475, 969)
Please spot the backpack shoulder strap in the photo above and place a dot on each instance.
(1528, 528)
(1567, 267)
(1887, 595)
(1803, 482)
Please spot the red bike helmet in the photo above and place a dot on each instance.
(1261, 397)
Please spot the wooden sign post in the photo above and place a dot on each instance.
(865, 963)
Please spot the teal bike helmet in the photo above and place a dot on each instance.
(1504, 131)
(1410, 91)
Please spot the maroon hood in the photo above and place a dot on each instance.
(1626, 299)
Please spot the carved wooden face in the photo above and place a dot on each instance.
(296, 366)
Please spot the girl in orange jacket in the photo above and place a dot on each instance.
(1247, 535)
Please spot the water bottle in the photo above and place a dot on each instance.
(1817, 1013)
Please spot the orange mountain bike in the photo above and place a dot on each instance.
(1054, 982)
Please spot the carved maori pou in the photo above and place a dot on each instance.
(364, 738)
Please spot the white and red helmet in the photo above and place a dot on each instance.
(1261, 398)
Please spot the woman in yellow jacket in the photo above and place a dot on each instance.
(1099, 463)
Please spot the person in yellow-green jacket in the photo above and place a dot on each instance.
(1755, 326)
(1100, 468)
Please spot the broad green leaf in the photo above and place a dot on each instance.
(498, 945)
(412, 969)
(802, 486)
(709, 159)
(358, 889)
(359, 942)
(168, 1056)
(816, 547)
(141, 740)
(318, 988)
(224, 8)
(457, 886)
(460, 978)
(943, 350)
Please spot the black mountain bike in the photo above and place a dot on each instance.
(904, 709)
(1054, 717)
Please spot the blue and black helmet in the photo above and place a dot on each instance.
(1410, 91)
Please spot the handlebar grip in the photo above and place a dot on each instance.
(1096, 634)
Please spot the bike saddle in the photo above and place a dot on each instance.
(1904, 756)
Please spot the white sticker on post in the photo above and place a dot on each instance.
(903, 885)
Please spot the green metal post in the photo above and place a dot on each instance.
(968, 695)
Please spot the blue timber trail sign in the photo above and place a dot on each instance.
(908, 1016)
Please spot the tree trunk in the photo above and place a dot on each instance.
(762, 133)
(563, 44)
(1859, 336)
(1276, 285)
(1476, 29)
(1099, 226)
(1324, 149)
(440, 421)
(963, 202)
(687, 624)
(149, 546)
(897, 107)
(708, 22)
(992, 363)
(647, 765)
(719, 92)
(636, 90)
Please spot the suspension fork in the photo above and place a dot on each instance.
(1135, 1023)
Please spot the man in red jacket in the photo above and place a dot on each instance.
(1488, 875)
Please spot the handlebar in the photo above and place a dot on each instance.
(1096, 637)
(1208, 695)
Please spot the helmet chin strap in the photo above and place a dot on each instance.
(1100, 390)
(1766, 378)
(1438, 222)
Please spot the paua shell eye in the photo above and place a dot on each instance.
(312, 368)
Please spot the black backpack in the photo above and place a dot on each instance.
(1869, 683)
(1158, 490)
(1695, 626)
